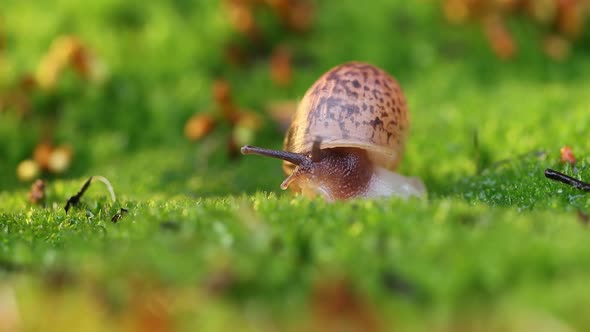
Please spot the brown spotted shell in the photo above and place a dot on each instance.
(352, 105)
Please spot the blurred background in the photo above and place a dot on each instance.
(86, 86)
(158, 96)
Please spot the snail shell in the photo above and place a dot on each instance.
(349, 130)
(352, 105)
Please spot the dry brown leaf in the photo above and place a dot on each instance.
(150, 309)
(570, 20)
(68, 51)
(542, 11)
(557, 47)
(337, 306)
(281, 71)
(567, 155)
(500, 39)
(241, 16)
(223, 98)
(221, 92)
(42, 153)
(199, 126)
(456, 11)
(37, 192)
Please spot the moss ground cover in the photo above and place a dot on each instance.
(211, 243)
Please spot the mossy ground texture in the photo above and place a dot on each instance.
(210, 243)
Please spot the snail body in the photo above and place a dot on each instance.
(347, 137)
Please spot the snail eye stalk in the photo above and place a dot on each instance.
(294, 158)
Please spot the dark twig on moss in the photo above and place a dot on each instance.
(119, 215)
(74, 200)
(557, 176)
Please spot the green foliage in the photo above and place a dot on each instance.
(495, 246)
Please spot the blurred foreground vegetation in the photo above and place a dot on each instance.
(209, 242)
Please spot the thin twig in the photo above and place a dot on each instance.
(557, 176)
(74, 200)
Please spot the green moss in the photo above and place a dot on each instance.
(496, 246)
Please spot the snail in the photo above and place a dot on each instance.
(347, 137)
